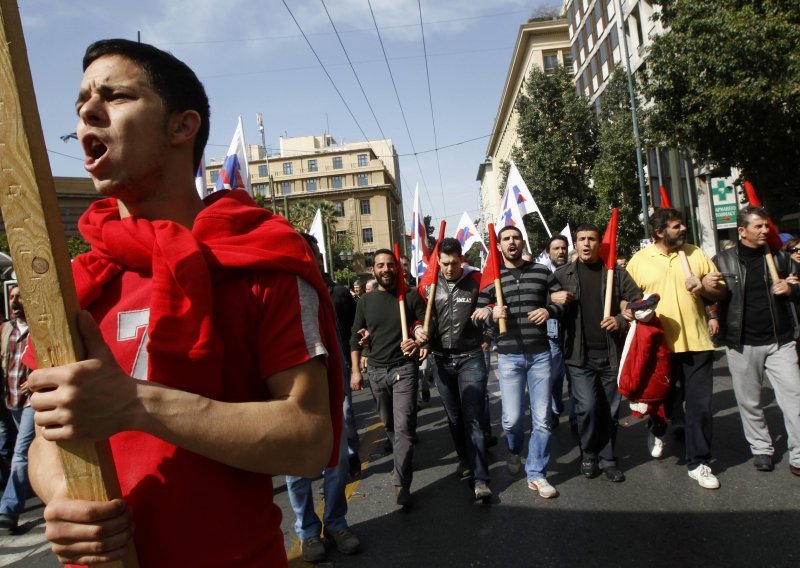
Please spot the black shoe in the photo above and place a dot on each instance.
(8, 522)
(614, 474)
(387, 446)
(402, 496)
(426, 396)
(589, 466)
(313, 549)
(554, 421)
(354, 466)
(490, 441)
(763, 462)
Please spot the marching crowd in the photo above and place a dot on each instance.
(220, 354)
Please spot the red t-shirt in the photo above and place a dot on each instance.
(190, 510)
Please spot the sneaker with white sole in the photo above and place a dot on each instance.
(513, 463)
(655, 445)
(702, 474)
(546, 491)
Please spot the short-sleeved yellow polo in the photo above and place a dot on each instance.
(681, 313)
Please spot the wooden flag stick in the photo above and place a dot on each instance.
(773, 270)
(39, 253)
(432, 293)
(403, 320)
(687, 270)
(609, 293)
(498, 291)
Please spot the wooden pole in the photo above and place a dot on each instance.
(403, 320)
(773, 270)
(39, 253)
(498, 291)
(609, 293)
(687, 270)
(432, 293)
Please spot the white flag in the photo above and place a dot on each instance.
(318, 233)
(568, 234)
(515, 186)
(234, 173)
(419, 240)
(511, 215)
(200, 178)
(467, 234)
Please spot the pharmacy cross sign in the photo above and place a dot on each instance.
(725, 206)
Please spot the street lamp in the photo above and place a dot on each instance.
(347, 257)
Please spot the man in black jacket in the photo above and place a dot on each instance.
(523, 356)
(592, 345)
(393, 367)
(758, 325)
(461, 377)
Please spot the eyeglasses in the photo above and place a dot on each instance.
(794, 250)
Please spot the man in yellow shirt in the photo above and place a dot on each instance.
(658, 269)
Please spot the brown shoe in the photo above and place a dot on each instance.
(794, 470)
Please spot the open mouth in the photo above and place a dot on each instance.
(94, 149)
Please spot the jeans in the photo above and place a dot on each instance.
(462, 388)
(350, 426)
(597, 403)
(8, 436)
(518, 372)
(395, 390)
(694, 370)
(749, 366)
(13, 501)
(307, 524)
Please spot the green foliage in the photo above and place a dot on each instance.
(557, 134)
(76, 246)
(724, 85)
(615, 172)
(345, 276)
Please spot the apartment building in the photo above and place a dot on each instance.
(541, 44)
(361, 179)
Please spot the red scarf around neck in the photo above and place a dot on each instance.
(232, 233)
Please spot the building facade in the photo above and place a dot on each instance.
(361, 179)
(541, 44)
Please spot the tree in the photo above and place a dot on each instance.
(557, 131)
(615, 172)
(724, 85)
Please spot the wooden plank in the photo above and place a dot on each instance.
(39, 252)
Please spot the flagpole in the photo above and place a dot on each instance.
(498, 289)
(432, 293)
(611, 261)
(401, 297)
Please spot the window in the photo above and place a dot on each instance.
(568, 60)
(287, 168)
(260, 189)
(363, 160)
(336, 182)
(311, 184)
(341, 236)
(339, 205)
(263, 171)
(364, 204)
(286, 188)
(312, 165)
(362, 180)
(366, 235)
(369, 259)
(550, 62)
(337, 163)
(214, 176)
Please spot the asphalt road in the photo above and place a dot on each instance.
(658, 517)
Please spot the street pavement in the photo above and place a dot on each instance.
(657, 517)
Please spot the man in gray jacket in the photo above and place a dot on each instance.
(758, 326)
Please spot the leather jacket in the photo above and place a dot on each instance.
(731, 307)
(454, 332)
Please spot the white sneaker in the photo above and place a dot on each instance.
(656, 445)
(513, 463)
(702, 474)
(544, 488)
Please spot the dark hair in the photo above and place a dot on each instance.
(660, 217)
(555, 238)
(746, 211)
(450, 246)
(585, 227)
(310, 239)
(382, 251)
(402, 256)
(171, 78)
(510, 228)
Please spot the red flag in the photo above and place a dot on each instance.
(608, 248)
(491, 271)
(432, 272)
(665, 203)
(773, 238)
(400, 280)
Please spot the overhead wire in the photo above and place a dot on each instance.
(430, 101)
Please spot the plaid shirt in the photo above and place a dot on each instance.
(17, 372)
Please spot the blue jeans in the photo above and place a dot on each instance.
(8, 436)
(462, 388)
(307, 524)
(518, 372)
(597, 403)
(13, 502)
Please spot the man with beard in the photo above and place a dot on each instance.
(557, 249)
(523, 356)
(393, 366)
(657, 269)
(758, 325)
